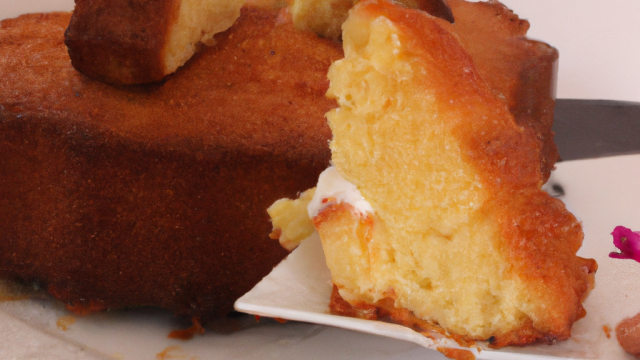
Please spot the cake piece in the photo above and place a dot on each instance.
(140, 41)
(460, 236)
(520, 70)
(290, 221)
(155, 195)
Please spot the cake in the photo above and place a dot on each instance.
(449, 230)
(140, 41)
(114, 197)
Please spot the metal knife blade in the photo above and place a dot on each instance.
(596, 128)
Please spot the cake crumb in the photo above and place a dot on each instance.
(174, 353)
(457, 354)
(186, 334)
(64, 322)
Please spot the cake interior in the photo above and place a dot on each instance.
(443, 163)
(197, 22)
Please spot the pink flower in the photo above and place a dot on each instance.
(628, 242)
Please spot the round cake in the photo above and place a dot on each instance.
(155, 195)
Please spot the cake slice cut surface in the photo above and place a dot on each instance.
(461, 236)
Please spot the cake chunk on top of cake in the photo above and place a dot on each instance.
(140, 41)
(461, 235)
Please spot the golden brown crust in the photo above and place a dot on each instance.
(384, 310)
(519, 70)
(156, 195)
(437, 8)
(339, 306)
(120, 41)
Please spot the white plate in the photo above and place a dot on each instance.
(604, 193)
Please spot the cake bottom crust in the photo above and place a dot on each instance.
(384, 310)
(337, 216)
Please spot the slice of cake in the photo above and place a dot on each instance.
(154, 195)
(141, 41)
(459, 236)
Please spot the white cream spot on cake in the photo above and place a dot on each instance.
(332, 185)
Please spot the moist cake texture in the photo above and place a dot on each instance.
(155, 195)
(461, 237)
(519, 70)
